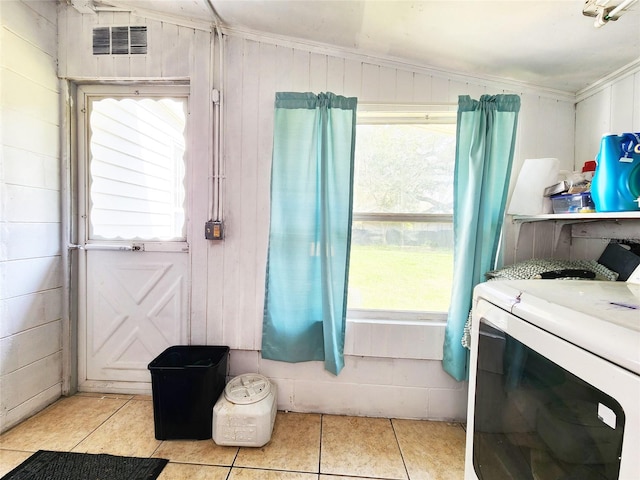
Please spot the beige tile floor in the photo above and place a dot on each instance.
(302, 446)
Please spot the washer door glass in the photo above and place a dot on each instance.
(534, 419)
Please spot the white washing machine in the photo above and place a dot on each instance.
(554, 385)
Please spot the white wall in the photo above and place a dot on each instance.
(176, 53)
(391, 369)
(31, 273)
(611, 105)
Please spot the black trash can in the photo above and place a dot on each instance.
(186, 381)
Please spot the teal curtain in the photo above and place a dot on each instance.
(485, 142)
(310, 231)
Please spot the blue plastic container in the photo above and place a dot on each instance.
(616, 183)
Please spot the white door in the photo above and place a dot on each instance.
(134, 251)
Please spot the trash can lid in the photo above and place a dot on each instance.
(247, 388)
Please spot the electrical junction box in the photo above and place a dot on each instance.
(213, 230)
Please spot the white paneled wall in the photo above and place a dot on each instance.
(173, 50)
(179, 53)
(31, 273)
(391, 370)
(255, 70)
(613, 107)
(610, 106)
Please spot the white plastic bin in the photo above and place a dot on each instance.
(245, 414)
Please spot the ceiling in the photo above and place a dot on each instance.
(547, 43)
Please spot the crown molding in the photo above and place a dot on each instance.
(508, 85)
(605, 82)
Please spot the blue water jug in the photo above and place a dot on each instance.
(616, 183)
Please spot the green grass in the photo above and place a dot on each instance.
(400, 278)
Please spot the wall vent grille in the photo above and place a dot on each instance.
(120, 40)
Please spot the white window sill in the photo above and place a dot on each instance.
(394, 337)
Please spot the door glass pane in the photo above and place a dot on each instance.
(137, 169)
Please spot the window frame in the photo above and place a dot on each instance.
(86, 94)
(402, 114)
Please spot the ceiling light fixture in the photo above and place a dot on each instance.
(603, 12)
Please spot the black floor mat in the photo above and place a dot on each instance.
(48, 465)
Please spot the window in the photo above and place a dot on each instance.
(137, 168)
(402, 238)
